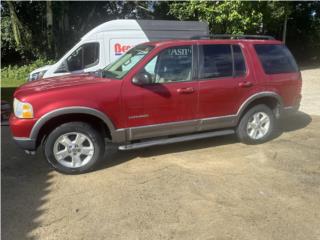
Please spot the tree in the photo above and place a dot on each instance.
(233, 17)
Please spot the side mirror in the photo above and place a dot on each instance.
(142, 79)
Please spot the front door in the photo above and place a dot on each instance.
(168, 104)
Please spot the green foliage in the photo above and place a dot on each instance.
(233, 17)
(14, 76)
(24, 31)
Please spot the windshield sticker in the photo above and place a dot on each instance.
(180, 51)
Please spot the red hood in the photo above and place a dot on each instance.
(59, 82)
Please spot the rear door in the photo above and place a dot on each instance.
(223, 79)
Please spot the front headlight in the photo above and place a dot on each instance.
(22, 109)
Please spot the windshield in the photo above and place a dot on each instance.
(124, 64)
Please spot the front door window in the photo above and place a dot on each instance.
(171, 65)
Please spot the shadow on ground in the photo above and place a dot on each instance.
(18, 173)
(287, 124)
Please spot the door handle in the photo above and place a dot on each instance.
(245, 84)
(185, 90)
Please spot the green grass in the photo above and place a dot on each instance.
(14, 76)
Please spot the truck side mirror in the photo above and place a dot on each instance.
(142, 79)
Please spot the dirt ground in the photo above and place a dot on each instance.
(207, 189)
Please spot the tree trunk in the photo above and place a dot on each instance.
(284, 33)
(16, 25)
(87, 20)
(49, 25)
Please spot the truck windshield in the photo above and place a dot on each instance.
(124, 64)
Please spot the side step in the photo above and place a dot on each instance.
(175, 139)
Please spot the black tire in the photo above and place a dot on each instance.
(242, 131)
(84, 129)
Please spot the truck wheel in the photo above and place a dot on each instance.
(257, 125)
(74, 147)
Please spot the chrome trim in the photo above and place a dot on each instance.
(172, 128)
(175, 139)
(69, 110)
(162, 129)
(217, 122)
(257, 96)
(21, 139)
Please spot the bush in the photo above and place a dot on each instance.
(14, 76)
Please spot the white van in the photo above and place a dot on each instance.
(108, 41)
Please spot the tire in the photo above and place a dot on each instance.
(257, 125)
(74, 148)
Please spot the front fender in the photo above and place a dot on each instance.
(69, 110)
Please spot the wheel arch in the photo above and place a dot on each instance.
(61, 115)
(271, 99)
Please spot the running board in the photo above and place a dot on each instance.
(175, 139)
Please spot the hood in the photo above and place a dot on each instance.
(58, 83)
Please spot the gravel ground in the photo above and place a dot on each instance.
(311, 91)
(207, 189)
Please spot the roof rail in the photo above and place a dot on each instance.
(233, 36)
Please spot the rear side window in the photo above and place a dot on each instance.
(216, 61)
(239, 63)
(276, 58)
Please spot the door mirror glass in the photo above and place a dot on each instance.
(142, 79)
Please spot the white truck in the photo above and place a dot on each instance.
(108, 41)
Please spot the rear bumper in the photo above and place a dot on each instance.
(289, 110)
(26, 143)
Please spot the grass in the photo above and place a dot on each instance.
(14, 76)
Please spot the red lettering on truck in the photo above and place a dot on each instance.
(119, 49)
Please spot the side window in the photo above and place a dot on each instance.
(239, 63)
(171, 65)
(216, 61)
(83, 57)
(276, 58)
(90, 54)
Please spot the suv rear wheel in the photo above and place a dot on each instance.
(257, 125)
(74, 147)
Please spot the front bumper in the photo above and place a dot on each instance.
(21, 129)
(26, 143)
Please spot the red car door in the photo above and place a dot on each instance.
(222, 82)
(168, 104)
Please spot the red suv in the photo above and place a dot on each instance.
(159, 93)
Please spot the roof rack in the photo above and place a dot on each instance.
(233, 36)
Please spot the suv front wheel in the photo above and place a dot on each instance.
(74, 147)
(257, 125)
